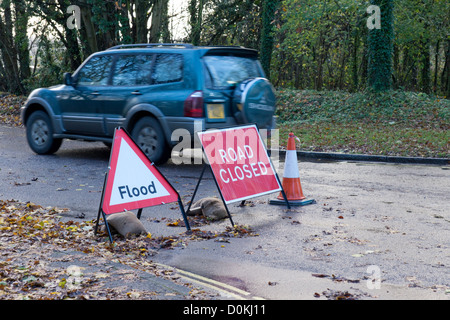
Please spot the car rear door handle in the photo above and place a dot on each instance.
(95, 93)
(137, 93)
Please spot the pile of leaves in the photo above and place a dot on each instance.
(237, 231)
(34, 238)
(10, 109)
(30, 235)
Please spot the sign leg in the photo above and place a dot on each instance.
(221, 196)
(285, 198)
(186, 222)
(196, 188)
(100, 210)
(107, 227)
(282, 192)
(229, 215)
(98, 219)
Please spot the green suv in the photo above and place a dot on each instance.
(151, 90)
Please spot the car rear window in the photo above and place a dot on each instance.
(227, 71)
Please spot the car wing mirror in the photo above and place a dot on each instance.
(68, 81)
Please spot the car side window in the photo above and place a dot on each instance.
(168, 68)
(131, 70)
(95, 72)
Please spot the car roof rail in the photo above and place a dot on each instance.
(152, 45)
(224, 46)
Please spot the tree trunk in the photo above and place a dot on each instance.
(436, 66)
(355, 60)
(88, 27)
(124, 24)
(21, 39)
(363, 66)
(425, 72)
(159, 29)
(425, 79)
(321, 56)
(142, 8)
(195, 20)
(445, 77)
(380, 48)
(268, 15)
(8, 51)
(396, 65)
(298, 73)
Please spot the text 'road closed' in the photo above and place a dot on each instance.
(239, 162)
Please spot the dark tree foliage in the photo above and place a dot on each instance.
(57, 46)
(304, 44)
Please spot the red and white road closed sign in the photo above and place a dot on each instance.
(240, 163)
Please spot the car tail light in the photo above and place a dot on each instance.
(193, 105)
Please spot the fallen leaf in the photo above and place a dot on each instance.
(62, 283)
(133, 295)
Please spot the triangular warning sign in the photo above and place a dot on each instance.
(133, 182)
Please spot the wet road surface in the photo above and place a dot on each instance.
(372, 224)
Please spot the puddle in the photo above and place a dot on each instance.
(232, 281)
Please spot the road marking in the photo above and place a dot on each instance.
(215, 288)
(212, 284)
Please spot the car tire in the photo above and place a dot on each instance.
(254, 101)
(149, 136)
(40, 134)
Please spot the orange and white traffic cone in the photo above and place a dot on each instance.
(291, 179)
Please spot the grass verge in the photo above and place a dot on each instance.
(393, 123)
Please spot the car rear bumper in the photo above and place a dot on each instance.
(181, 126)
(184, 127)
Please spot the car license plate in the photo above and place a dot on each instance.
(215, 111)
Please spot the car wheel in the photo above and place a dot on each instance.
(149, 136)
(40, 134)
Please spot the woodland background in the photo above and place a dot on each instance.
(303, 44)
